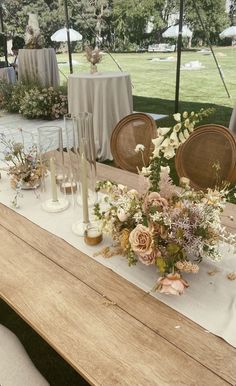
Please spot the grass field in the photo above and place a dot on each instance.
(154, 81)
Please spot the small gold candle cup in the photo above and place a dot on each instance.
(92, 235)
(68, 187)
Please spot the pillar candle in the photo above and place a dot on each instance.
(84, 186)
(53, 180)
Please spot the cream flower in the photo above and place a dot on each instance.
(169, 152)
(174, 139)
(163, 130)
(139, 148)
(122, 215)
(182, 139)
(165, 143)
(185, 114)
(177, 127)
(177, 117)
(141, 240)
(186, 134)
(157, 141)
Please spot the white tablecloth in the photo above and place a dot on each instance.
(210, 300)
(108, 96)
(38, 65)
(8, 74)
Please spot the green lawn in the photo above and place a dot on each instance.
(154, 81)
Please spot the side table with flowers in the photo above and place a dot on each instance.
(94, 56)
(169, 227)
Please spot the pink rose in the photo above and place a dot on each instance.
(150, 258)
(172, 284)
(141, 240)
(155, 199)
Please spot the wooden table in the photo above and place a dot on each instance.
(109, 330)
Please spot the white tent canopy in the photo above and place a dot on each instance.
(229, 32)
(173, 32)
(61, 35)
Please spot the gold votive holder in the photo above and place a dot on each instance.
(68, 187)
(92, 235)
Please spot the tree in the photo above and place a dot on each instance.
(232, 12)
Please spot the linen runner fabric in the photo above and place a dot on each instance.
(108, 96)
(8, 75)
(210, 301)
(16, 368)
(38, 65)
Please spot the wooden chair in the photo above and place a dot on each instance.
(134, 129)
(207, 148)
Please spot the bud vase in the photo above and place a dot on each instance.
(93, 68)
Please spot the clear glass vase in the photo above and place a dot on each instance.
(93, 68)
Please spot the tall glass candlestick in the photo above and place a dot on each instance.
(53, 180)
(84, 186)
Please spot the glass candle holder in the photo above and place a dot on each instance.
(52, 159)
(81, 150)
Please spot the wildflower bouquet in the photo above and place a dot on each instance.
(47, 103)
(94, 57)
(24, 167)
(169, 227)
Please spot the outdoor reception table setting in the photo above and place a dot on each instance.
(99, 313)
(108, 96)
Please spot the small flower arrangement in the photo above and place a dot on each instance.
(24, 167)
(94, 56)
(171, 228)
(44, 103)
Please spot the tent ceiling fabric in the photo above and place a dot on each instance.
(61, 35)
(173, 32)
(229, 32)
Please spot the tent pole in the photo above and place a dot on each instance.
(2, 31)
(68, 36)
(179, 47)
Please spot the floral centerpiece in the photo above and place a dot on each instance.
(169, 227)
(24, 166)
(94, 56)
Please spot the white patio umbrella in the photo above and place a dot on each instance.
(61, 35)
(229, 32)
(173, 32)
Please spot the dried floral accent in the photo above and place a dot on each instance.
(24, 166)
(94, 56)
(172, 284)
(231, 276)
(108, 252)
(213, 272)
(187, 266)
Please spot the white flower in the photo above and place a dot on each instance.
(182, 139)
(177, 127)
(187, 123)
(186, 134)
(185, 114)
(157, 141)
(177, 117)
(174, 139)
(163, 130)
(169, 152)
(139, 148)
(191, 127)
(122, 215)
(165, 143)
(165, 169)
(146, 171)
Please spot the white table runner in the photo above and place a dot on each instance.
(210, 301)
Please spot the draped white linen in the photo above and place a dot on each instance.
(38, 65)
(108, 96)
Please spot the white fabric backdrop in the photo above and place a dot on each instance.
(210, 301)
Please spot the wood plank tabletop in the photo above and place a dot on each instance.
(109, 330)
